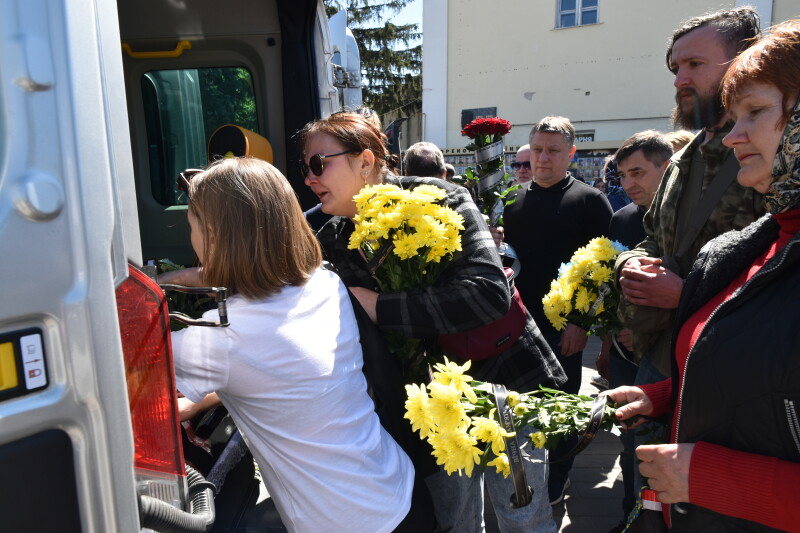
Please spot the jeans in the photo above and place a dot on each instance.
(654, 431)
(623, 372)
(458, 500)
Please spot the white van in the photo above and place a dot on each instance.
(102, 103)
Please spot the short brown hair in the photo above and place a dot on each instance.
(354, 132)
(737, 28)
(560, 125)
(774, 60)
(654, 145)
(261, 240)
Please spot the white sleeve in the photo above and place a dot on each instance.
(201, 360)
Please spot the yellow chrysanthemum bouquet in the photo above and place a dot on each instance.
(584, 292)
(407, 238)
(458, 416)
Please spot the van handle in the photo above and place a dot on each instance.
(158, 54)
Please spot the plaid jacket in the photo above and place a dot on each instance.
(471, 292)
(739, 206)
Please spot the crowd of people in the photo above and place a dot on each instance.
(708, 358)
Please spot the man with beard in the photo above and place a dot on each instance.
(699, 197)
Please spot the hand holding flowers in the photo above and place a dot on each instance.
(584, 292)
(407, 239)
(458, 417)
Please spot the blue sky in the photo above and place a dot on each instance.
(410, 14)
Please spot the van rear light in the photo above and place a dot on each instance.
(144, 328)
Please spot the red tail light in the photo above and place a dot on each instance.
(144, 327)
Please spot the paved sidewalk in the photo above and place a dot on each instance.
(594, 502)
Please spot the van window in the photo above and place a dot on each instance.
(182, 109)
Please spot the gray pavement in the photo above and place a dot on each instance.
(593, 504)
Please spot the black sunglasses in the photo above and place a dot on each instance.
(185, 177)
(315, 164)
(517, 164)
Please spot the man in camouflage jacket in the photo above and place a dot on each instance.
(651, 275)
(739, 206)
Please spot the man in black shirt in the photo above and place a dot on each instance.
(545, 225)
(641, 161)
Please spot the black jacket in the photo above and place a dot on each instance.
(743, 374)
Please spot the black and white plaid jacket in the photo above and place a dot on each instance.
(471, 292)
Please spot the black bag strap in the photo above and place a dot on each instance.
(710, 199)
(522, 492)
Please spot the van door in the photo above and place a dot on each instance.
(66, 446)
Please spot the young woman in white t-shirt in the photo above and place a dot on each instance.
(289, 366)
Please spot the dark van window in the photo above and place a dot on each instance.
(182, 109)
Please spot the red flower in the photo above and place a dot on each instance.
(486, 126)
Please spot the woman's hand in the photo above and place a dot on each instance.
(666, 467)
(498, 234)
(368, 300)
(187, 409)
(188, 277)
(573, 340)
(635, 403)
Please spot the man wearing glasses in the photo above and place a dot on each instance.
(522, 167)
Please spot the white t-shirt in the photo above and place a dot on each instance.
(288, 369)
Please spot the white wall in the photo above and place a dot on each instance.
(434, 71)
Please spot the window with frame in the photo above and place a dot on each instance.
(576, 13)
(182, 108)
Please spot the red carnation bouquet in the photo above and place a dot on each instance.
(488, 180)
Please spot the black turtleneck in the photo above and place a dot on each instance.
(545, 225)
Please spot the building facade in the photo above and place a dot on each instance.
(599, 62)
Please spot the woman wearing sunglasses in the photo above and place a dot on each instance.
(300, 400)
(733, 463)
(343, 154)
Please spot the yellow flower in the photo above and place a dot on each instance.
(455, 450)
(559, 407)
(451, 374)
(501, 463)
(405, 246)
(602, 274)
(489, 431)
(418, 410)
(445, 406)
(429, 193)
(512, 399)
(538, 439)
(582, 302)
(521, 409)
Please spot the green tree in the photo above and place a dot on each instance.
(391, 63)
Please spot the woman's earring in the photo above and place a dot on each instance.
(364, 175)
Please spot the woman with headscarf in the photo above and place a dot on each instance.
(733, 461)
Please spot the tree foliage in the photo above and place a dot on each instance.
(391, 63)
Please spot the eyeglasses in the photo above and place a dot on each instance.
(517, 164)
(185, 177)
(315, 163)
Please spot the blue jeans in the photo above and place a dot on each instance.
(458, 500)
(652, 432)
(623, 372)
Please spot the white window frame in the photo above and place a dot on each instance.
(578, 12)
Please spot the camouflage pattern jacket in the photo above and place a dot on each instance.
(739, 206)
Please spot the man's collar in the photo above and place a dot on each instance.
(557, 185)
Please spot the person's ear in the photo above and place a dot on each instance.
(572, 151)
(366, 160)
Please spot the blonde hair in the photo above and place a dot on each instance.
(257, 239)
